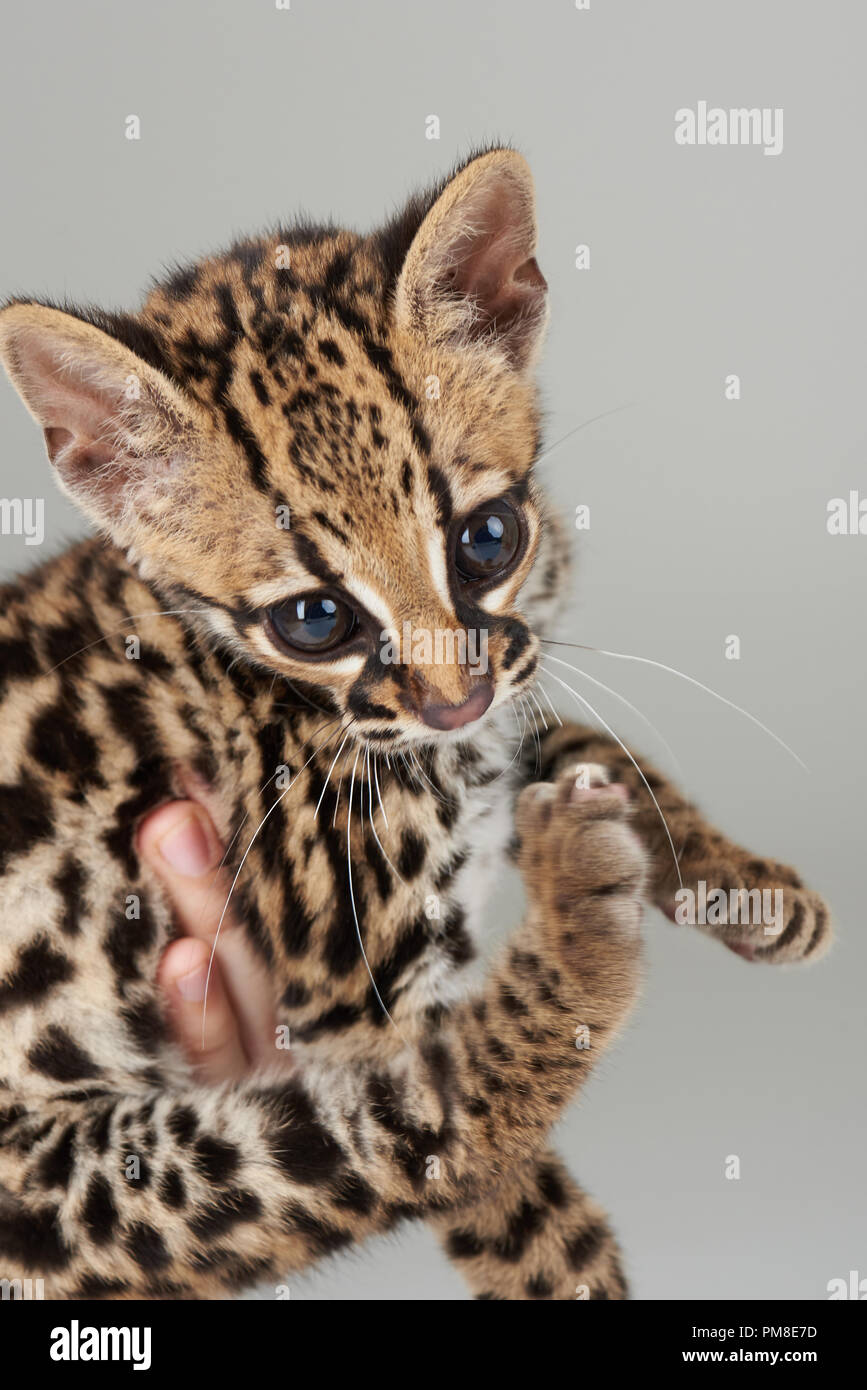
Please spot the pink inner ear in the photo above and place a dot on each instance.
(491, 260)
(55, 440)
(111, 422)
(503, 284)
(79, 417)
(82, 466)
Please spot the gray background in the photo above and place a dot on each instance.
(708, 516)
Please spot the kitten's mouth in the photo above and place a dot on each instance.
(439, 724)
(421, 736)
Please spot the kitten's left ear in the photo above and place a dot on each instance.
(115, 427)
(470, 275)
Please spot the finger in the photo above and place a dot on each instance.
(182, 847)
(209, 1036)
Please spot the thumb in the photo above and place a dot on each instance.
(179, 843)
(209, 1036)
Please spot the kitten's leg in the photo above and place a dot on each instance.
(509, 1220)
(537, 1237)
(802, 929)
(193, 1193)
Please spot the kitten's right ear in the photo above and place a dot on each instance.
(113, 425)
(470, 277)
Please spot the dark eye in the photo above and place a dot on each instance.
(312, 623)
(488, 541)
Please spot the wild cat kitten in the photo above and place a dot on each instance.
(365, 803)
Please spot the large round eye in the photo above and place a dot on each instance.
(312, 623)
(488, 541)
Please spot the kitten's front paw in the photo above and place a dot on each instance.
(780, 925)
(583, 865)
(759, 908)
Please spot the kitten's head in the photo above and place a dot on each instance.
(323, 444)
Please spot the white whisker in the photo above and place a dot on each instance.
(133, 618)
(550, 702)
(608, 728)
(337, 801)
(410, 773)
(378, 792)
(267, 783)
(535, 729)
(271, 808)
(370, 816)
(622, 698)
(352, 894)
(515, 756)
(522, 731)
(417, 763)
(583, 426)
(672, 670)
(328, 774)
(542, 715)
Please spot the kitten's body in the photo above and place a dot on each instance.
(258, 383)
(100, 738)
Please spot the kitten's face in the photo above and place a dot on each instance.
(388, 513)
(336, 475)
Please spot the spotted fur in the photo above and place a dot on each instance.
(295, 371)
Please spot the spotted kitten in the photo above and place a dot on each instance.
(381, 389)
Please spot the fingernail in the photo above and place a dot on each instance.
(192, 987)
(186, 848)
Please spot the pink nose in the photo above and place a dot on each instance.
(456, 716)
